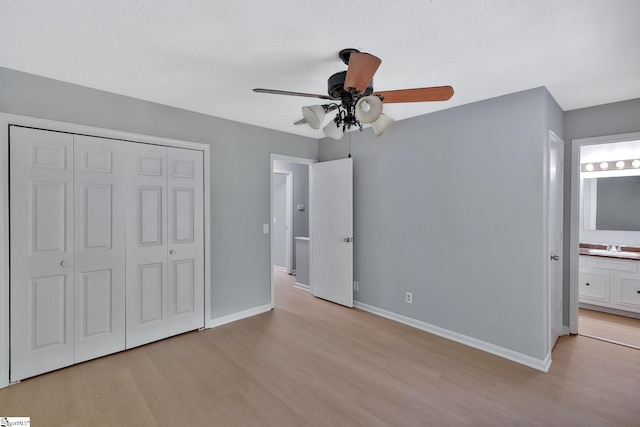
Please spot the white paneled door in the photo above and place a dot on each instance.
(107, 246)
(165, 270)
(42, 264)
(186, 240)
(147, 245)
(99, 217)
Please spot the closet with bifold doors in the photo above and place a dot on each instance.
(106, 246)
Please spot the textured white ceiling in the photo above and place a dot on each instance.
(206, 56)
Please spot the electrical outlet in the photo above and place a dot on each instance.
(408, 298)
(356, 285)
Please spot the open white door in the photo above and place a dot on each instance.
(554, 219)
(332, 231)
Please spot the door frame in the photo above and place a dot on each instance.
(13, 119)
(574, 247)
(288, 218)
(289, 159)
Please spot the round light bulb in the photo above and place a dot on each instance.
(604, 165)
(636, 163)
(365, 106)
(589, 167)
(620, 164)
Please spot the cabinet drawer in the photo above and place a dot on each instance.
(594, 286)
(629, 292)
(613, 264)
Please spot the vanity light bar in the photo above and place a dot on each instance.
(610, 165)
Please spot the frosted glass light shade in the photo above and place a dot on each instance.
(381, 125)
(333, 131)
(314, 115)
(368, 109)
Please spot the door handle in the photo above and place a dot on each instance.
(555, 258)
(348, 239)
(63, 263)
(172, 252)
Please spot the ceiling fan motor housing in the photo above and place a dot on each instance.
(336, 88)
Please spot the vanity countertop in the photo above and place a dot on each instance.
(600, 250)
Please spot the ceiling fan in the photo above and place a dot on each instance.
(358, 103)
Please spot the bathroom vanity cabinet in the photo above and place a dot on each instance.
(609, 282)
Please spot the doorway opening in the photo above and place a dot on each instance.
(282, 221)
(290, 225)
(605, 243)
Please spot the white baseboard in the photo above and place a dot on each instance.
(279, 268)
(303, 287)
(539, 364)
(219, 321)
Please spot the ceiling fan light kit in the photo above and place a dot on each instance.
(381, 125)
(368, 109)
(359, 104)
(314, 115)
(333, 130)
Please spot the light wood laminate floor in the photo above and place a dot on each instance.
(617, 329)
(311, 362)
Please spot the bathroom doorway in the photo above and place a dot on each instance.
(605, 244)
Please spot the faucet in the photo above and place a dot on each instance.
(613, 248)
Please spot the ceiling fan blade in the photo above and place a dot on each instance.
(362, 67)
(301, 122)
(286, 92)
(422, 94)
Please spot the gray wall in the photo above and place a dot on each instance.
(450, 206)
(300, 184)
(240, 163)
(601, 120)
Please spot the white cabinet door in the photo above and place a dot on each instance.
(186, 240)
(41, 216)
(146, 245)
(99, 195)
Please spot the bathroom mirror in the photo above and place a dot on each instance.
(611, 203)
